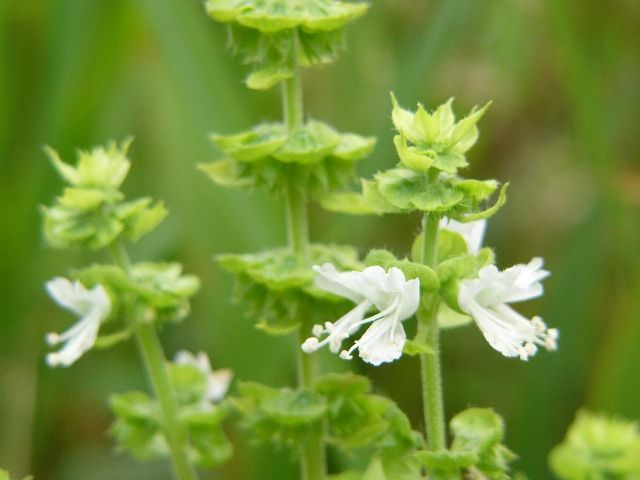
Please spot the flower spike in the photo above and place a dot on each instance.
(395, 298)
(486, 299)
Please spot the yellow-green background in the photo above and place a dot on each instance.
(563, 129)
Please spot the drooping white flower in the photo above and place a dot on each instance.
(218, 381)
(472, 232)
(395, 298)
(92, 306)
(486, 299)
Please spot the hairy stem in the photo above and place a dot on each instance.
(155, 362)
(312, 451)
(431, 372)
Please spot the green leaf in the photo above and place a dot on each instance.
(268, 77)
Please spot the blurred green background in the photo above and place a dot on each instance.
(562, 129)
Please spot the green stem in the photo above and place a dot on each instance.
(313, 459)
(156, 366)
(153, 355)
(292, 108)
(297, 219)
(431, 372)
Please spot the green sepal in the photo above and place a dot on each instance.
(481, 430)
(355, 417)
(189, 383)
(428, 279)
(314, 158)
(208, 445)
(598, 446)
(137, 425)
(310, 144)
(282, 416)
(140, 216)
(252, 145)
(454, 269)
(476, 450)
(99, 168)
(92, 213)
(369, 202)
(226, 173)
(437, 140)
(417, 347)
(487, 213)
(265, 78)
(476, 429)
(402, 190)
(447, 459)
(266, 32)
(449, 318)
(159, 291)
(276, 287)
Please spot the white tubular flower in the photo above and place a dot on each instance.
(472, 232)
(218, 381)
(93, 306)
(395, 298)
(486, 299)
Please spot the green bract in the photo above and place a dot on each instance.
(275, 35)
(476, 449)
(283, 416)
(598, 447)
(138, 424)
(314, 157)
(277, 287)
(355, 418)
(160, 290)
(401, 190)
(434, 140)
(92, 212)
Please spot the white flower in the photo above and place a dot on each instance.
(486, 299)
(395, 298)
(217, 380)
(472, 232)
(93, 306)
